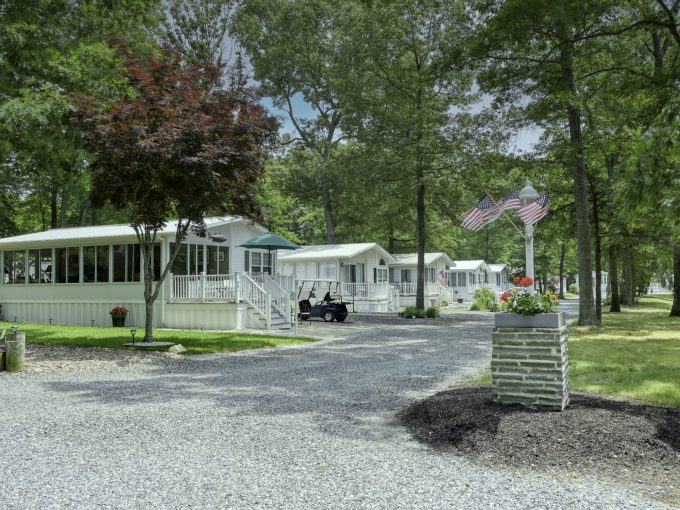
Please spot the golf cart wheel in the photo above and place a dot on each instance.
(328, 316)
(341, 319)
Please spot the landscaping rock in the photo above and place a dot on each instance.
(178, 349)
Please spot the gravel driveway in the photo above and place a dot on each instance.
(311, 426)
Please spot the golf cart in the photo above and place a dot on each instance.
(330, 308)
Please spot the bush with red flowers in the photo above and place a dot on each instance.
(119, 311)
(522, 302)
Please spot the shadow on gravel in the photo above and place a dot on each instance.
(338, 384)
(593, 435)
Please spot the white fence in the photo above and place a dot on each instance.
(410, 288)
(366, 290)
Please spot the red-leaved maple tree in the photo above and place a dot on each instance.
(180, 147)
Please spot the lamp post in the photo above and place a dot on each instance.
(527, 194)
(133, 332)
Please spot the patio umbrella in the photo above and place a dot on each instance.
(270, 241)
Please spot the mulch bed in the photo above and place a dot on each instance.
(624, 441)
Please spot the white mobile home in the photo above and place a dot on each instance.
(362, 268)
(499, 276)
(466, 276)
(404, 273)
(76, 275)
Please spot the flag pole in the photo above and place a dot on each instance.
(527, 194)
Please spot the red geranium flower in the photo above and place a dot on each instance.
(505, 297)
(516, 280)
(526, 282)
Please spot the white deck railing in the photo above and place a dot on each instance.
(256, 297)
(366, 290)
(410, 288)
(262, 292)
(204, 288)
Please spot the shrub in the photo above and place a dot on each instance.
(573, 288)
(432, 312)
(411, 312)
(484, 299)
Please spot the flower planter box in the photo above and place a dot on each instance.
(118, 322)
(541, 320)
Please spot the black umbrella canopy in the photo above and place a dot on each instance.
(270, 241)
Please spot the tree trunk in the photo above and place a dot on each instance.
(628, 283)
(563, 254)
(64, 204)
(614, 279)
(53, 209)
(675, 310)
(327, 208)
(586, 314)
(421, 236)
(598, 253)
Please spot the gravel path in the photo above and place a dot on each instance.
(310, 426)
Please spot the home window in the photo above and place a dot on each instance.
(218, 260)
(260, 262)
(15, 267)
(67, 265)
(126, 263)
(381, 274)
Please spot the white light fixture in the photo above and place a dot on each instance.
(528, 193)
(218, 238)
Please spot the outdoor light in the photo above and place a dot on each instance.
(92, 321)
(528, 193)
(133, 332)
(15, 329)
(50, 322)
(218, 238)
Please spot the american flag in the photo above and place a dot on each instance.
(509, 201)
(441, 278)
(474, 219)
(532, 212)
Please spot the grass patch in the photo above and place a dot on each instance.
(196, 342)
(634, 354)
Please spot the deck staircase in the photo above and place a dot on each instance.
(278, 320)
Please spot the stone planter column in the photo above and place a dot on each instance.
(530, 361)
(15, 346)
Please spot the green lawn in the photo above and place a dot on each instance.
(635, 354)
(196, 342)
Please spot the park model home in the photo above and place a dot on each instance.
(362, 269)
(404, 274)
(76, 275)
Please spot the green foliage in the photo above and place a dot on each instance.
(198, 28)
(573, 288)
(484, 299)
(412, 312)
(432, 312)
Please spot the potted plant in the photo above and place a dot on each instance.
(459, 299)
(528, 310)
(118, 315)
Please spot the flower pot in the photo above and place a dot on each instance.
(118, 322)
(460, 300)
(541, 320)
